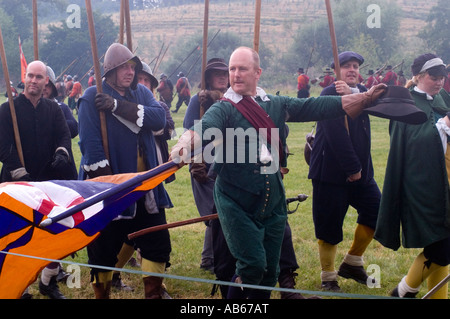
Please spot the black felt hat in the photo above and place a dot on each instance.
(397, 104)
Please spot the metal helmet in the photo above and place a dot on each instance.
(148, 70)
(52, 80)
(118, 54)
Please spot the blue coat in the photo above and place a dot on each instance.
(123, 143)
(336, 154)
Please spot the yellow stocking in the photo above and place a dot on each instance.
(152, 266)
(327, 255)
(103, 277)
(418, 272)
(124, 255)
(362, 239)
(436, 277)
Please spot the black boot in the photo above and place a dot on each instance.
(356, 273)
(52, 290)
(118, 284)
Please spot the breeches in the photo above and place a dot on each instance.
(331, 202)
(253, 229)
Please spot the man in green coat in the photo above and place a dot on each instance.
(249, 193)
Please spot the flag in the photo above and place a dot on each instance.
(95, 202)
(23, 63)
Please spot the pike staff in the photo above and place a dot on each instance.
(205, 42)
(121, 21)
(337, 66)
(257, 25)
(10, 100)
(98, 77)
(128, 24)
(35, 31)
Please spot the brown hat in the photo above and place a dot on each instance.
(397, 104)
(215, 64)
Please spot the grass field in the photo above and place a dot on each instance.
(187, 241)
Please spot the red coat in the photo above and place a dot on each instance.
(371, 81)
(390, 78)
(327, 81)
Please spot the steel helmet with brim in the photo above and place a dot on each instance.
(118, 54)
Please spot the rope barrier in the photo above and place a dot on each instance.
(207, 281)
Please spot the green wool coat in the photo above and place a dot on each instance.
(414, 209)
(250, 200)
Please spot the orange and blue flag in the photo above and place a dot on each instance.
(92, 204)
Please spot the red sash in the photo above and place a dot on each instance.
(258, 118)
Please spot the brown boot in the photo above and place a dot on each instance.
(286, 279)
(102, 290)
(153, 287)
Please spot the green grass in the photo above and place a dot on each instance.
(187, 241)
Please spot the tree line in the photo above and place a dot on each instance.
(310, 47)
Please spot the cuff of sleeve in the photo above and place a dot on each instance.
(18, 173)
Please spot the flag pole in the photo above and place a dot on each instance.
(135, 181)
(10, 100)
(98, 78)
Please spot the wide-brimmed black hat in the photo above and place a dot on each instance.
(214, 64)
(397, 104)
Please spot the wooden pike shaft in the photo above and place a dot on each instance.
(10, 99)
(98, 77)
(128, 25)
(337, 67)
(35, 31)
(121, 21)
(172, 225)
(257, 25)
(205, 42)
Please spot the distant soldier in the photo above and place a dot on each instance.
(401, 80)
(391, 77)
(165, 90)
(302, 84)
(91, 80)
(75, 94)
(328, 78)
(13, 91)
(68, 84)
(371, 80)
(183, 90)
